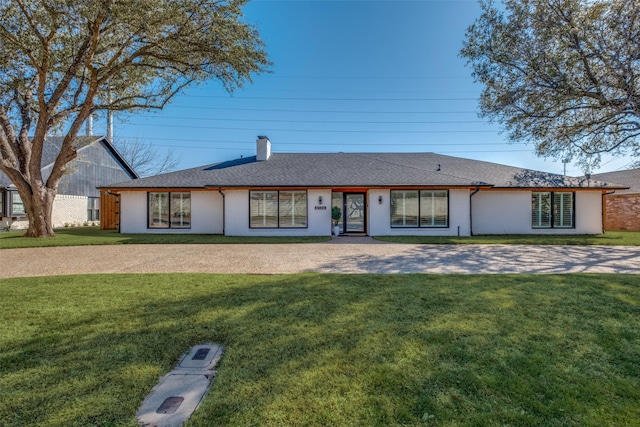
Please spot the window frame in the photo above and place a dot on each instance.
(2, 202)
(93, 208)
(278, 223)
(11, 203)
(554, 198)
(169, 219)
(419, 216)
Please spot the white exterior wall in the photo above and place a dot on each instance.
(379, 216)
(206, 214)
(509, 212)
(237, 216)
(68, 211)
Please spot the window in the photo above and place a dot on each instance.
(169, 210)
(93, 209)
(17, 207)
(552, 210)
(2, 203)
(278, 209)
(180, 210)
(423, 208)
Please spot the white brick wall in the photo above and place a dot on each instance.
(70, 211)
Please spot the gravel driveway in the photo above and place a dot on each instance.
(341, 255)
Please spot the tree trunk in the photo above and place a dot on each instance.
(38, 209)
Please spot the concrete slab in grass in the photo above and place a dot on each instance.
(179, 393)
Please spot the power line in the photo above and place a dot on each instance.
(327, 99)
(320, 111)
(315, 121)
(326, 151)
(250, 143)
(315, 130)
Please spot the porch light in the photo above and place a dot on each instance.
(379, 200)
(320, 200)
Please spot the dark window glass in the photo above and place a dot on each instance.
(434, 208)
(158, 210)
(263, 209)
(424, 208)
(17, 207)
(170, 210)
(404, 208)
(273, 209)
(180, 210)
(293, 209)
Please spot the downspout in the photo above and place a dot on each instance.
(223, 209)
(471, 210)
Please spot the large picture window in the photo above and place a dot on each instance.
(17, 205)
(552, 210)
(169, 210)
(419, 208)
(278, 209)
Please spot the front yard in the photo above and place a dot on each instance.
(94, 236)
(313, 349)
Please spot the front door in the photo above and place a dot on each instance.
(354, 211)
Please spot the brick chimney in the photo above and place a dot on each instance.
(263, 148)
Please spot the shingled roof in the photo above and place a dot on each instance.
(627, 178)
(359, 170)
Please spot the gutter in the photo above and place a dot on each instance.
(471, 209)
(223, 210)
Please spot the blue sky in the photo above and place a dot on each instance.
(350, 76)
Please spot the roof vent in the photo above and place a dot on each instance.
(263, 148)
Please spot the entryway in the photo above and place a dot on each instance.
(354, 211)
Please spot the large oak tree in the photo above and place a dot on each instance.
(62, 60)
(562, 74)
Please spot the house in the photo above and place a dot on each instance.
(284, 194)
(622, 207)
(78, 200)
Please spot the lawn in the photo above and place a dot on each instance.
(94, 236)
(82, 236)
(327, 350)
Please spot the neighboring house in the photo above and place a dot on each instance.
(78, 199)
(378, 193)
(622, 206)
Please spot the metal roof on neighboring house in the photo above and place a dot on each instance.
(359, 170)
(51, 148)
(626, 178)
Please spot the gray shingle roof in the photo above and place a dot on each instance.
(358, 170)
(626, 178)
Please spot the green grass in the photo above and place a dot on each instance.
(94, 236)
(327, 350)
(610, 238)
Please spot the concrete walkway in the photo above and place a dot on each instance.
(341, 255)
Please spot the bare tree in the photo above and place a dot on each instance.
(146, 159)
(562, 74)
(61, 61)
